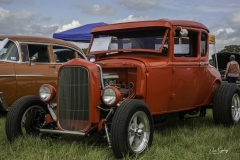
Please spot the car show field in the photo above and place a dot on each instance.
(190, 139)
(119, 79)
(144, 73)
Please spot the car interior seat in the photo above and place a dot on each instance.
(56, 58)
(43, 55)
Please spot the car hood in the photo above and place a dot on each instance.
(150, 60)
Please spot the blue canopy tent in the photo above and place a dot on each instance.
(79, 34)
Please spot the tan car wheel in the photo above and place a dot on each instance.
(25, 116)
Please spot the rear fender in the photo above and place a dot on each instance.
(211, 91)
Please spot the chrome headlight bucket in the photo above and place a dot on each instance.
(47, 93)
(111, 96)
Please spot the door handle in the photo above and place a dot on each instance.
(52, 67)
(201, 64)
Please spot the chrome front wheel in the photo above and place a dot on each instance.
(138, 132)
(131, 129)
(235, 108)
(226, 104)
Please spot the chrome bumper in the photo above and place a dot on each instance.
(3, 104)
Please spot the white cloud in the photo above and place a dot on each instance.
(226, 37)
(227, 30)
(23, 23)
(98, 10)
(45, 19)
(10, 1)
(139, 4)
(234, 20)
(95, 9)
(132, 18)
(191, 18)
(6, 1)
(221, 43)
(65, 27)
(27, 1)
(3, 14)
(80, 44)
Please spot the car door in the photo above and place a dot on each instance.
(36, 69)
(206, 77)
(185, 82)
(9, 56)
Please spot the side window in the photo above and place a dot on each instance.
(181, 45)
(38, 53)
(63, 54)
(9, 52)
(203, 44)
(158, 43)
(186, 46)
(79, 55)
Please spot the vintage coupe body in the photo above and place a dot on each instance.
(28, 62)
(144, 72)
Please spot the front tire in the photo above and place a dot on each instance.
(226, 105)
(132, 129)
(25, 117)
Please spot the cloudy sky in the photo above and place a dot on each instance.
(44, 17)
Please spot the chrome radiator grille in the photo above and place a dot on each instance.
(73, 98)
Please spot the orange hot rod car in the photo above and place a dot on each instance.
(143, 73)
(28, 62)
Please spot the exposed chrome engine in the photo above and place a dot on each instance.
(126, 90)
(115, 78)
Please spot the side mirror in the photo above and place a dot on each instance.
(34, 59)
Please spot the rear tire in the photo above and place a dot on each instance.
(226, 104)
(25, 117)
(132, 129)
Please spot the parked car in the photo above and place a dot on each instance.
(144, 73)
(28, 62)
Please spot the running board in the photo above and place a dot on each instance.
(62, 132)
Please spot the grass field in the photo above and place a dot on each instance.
(193, 139)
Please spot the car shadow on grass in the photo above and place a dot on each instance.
(192, 122)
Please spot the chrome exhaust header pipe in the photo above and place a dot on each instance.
(62, 132)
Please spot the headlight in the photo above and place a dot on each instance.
(47, 93)
(111, 96)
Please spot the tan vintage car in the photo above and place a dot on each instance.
(28, 62)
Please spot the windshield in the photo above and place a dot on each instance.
(128, 41)
(9, 52)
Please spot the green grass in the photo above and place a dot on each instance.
(192, 139)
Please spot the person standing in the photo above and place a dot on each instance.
(232, 70)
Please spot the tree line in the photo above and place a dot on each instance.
(231, 48)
